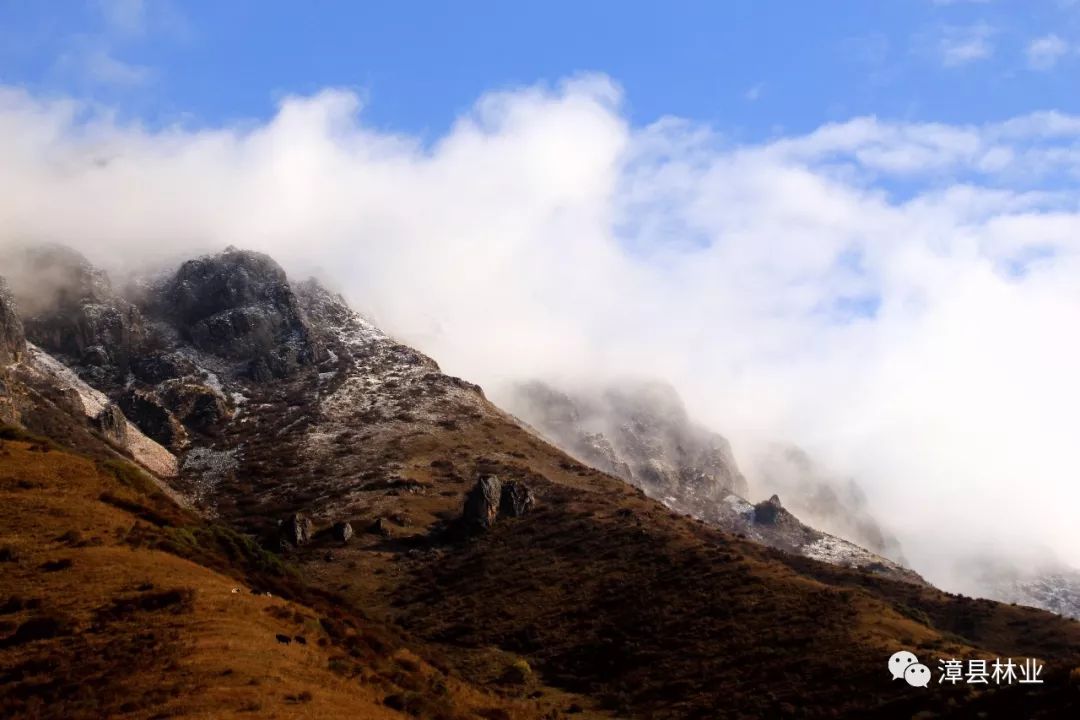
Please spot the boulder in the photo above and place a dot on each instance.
(491, 499)
(768, 511)
(342, 531)
(296, 530)
(482, 503)
(515, 500)
(113, 424)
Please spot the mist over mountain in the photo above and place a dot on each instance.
(266, 483)
(640, 431)
(539, 361)
(782, 288)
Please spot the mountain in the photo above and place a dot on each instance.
(1048, 585)
(834, 504)
(641, 432)
(440, 559)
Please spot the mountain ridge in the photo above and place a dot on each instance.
(535, 609)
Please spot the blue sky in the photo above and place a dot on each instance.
(750, 68)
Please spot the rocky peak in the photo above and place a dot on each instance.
(50, 277)
(321, 307)
(239, 305)
(832, 503)
(639, 431)
(69, 307)
(768, 512)
(12, 338)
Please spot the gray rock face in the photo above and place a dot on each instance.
(830, 503)
(239, 305)
(1040, 582)
(157, 367)
(69, 307)
(296, 530)
(639, 431)
(147, 410)
(12, 337)
(198, 406)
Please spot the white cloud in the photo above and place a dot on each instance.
(753, 94)
(963, 45)
(1044, 52)
(101, 67)
(545, 236)
(126, 17)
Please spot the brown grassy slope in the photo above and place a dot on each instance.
(606, 593)
(94, 622)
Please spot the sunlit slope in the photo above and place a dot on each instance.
(95, 622)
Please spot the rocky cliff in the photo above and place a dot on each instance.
(641, 432)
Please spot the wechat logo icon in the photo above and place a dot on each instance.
(904, 665)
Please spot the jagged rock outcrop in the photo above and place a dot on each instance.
(147, 410)
(834, 504)
(768, 512)
(491, 499)
(482, 503)
(157, 367)
(639, 431)
(113, 424)
(12, 337)
(239, 305)
(69, 307)
(515, 499)
(198, 406)
(321, 307)
(296, 530)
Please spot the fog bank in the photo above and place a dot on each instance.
(897, 299)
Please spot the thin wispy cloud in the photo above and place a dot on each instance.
(959, 46)
(125, 17)
(91, 61)
(103, 68)
(1044, 52)
(99, 57)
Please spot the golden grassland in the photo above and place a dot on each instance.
(115, 602)
(96, 622)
